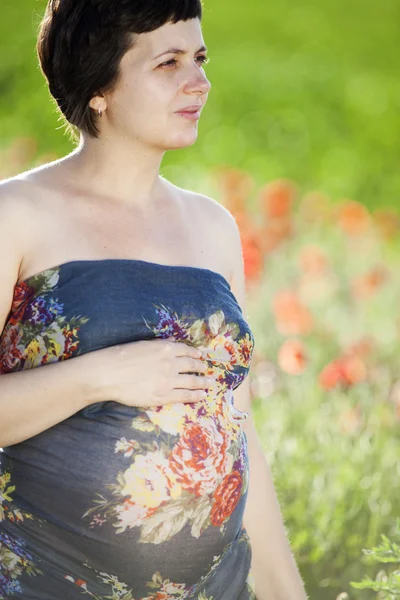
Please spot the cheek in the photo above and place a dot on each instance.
(127, 101)
(137, 98)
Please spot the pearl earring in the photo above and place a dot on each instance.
(100, 112)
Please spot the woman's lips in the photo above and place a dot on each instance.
(191, 115)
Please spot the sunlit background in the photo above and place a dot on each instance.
(299, 140)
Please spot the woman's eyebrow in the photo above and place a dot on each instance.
(179, 51)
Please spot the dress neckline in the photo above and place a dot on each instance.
(134, 261)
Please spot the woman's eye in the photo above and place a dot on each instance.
(203, 59)
(171, 63)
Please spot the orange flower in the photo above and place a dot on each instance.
(236, 186)
(331, 376)
(354, 370)
(345, 371)
(275, 232)
(276, 199)
(362, 348)
(243, 220)
(353, 217)
(226, 497)
(367, 285)
(387, 221)
(313, 260)
(292, 357)
(252, 255)
(292, 317)
(235, 203)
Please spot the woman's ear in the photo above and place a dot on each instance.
(98, 103)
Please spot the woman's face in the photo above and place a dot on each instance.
(156, 83)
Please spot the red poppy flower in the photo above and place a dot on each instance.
(292, 317)
(353, 217)
(292, 357)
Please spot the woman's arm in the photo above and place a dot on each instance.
(36, 399)
(273, 567)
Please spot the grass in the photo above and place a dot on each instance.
(322, 301)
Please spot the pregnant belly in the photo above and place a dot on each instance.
(132, 487)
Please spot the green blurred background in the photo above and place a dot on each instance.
(308, 91)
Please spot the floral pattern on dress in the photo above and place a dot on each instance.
(15, 561)
(36, 332)
(7, 510)
(163, 589)
(198, 476)
(176, 464)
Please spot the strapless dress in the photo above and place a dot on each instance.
(118, 502)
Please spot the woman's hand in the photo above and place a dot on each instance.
(151, 373)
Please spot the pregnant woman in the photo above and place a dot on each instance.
(131, 467)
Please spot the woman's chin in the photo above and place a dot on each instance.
(182, 139)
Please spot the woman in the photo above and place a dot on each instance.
(125, 471)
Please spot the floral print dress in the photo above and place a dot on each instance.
(117, 502)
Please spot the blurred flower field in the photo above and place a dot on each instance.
(323, 292)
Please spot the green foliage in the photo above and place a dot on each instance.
(387, 584)
(306, 91)
(334, 453)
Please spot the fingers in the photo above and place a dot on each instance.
(183, 349)
(187, 395)
(193, 382)
(193, 365)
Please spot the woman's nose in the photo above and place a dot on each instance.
(197, 82)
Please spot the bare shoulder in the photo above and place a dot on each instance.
(216, 231)
(213, 212)
(210, 214)
(15, 219)
(16, 207)
(26, 199)
(217, 223)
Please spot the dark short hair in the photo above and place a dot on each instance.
(81, 43)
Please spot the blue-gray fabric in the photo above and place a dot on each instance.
(63, 533)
